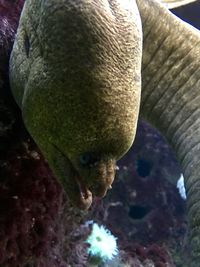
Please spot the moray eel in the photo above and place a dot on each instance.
(75, 72)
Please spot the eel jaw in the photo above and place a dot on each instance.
(95, 182)
(80, 190)
(76, 190)
(83, 198)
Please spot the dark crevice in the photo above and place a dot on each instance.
(144, 167)
(138, 212)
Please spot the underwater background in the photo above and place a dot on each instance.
(140, 223)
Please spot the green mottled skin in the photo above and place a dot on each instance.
(75, 71)
(79, 87)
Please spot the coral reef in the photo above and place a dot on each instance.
(144, 209)
(29, 200)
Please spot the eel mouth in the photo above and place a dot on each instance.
(83, 196)
(77, 191)
(80, 192)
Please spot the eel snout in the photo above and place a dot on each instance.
(95, 184)
(83, 183)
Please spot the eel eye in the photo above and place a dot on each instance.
(87, 159)
(26, 45)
